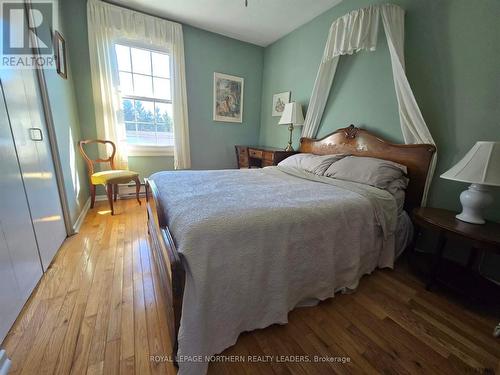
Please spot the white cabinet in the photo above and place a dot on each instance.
(20, 267)
(27, 120)
(32, 224)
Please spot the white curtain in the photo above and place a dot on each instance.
(351, 33)
(106, 100)
(356, 31)
(108, 23)
(413, 125)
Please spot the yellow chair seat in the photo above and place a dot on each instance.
(113, 177)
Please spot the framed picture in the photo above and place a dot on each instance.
(228, 98)
(279, 101)
(60, 54)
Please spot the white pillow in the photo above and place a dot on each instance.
(369, 171)
(316, 164)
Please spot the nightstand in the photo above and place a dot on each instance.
(462, 278)
(259, 156)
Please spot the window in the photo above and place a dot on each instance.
(145, 86)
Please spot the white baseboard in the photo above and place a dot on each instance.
(81, 217)
(4, 363)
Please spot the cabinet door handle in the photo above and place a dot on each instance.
(36, 134)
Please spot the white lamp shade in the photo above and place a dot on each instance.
(481, 165)
(292, 114)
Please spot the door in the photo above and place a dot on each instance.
(27, 120)
(20, 267)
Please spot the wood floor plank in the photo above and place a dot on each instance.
(127, 349)
(100, 310)
(440, 341)
(395, 342)
(116, 300)
(23, 348)
(81, 354)
(111, 364)
(53, 348)
(99, 337)
(40, 342)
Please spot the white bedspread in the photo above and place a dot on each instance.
(255, 243)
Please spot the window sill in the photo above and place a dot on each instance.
(138, 150)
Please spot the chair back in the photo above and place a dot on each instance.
(91, 162)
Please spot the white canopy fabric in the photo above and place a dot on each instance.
(357, 31)
(108, 24)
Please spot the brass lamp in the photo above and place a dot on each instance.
(292, 116)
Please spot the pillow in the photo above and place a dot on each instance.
(316, 164)
(369, 171)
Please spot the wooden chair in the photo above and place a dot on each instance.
(109, 178)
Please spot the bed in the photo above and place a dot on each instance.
(236, 262)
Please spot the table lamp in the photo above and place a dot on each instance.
(481, 168)
(292, 116)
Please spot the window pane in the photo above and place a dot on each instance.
(123, 57)
(162, 88)
(143, 85)
(131, 133)
(164, 116)
(161, 65)
(129, 127)
(128, 110)
(146, 134)
(146, 128)
(126, 86)
(144, 111)
(141, 61)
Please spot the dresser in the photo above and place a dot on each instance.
(259, 156)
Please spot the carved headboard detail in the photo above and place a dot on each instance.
(359, 142)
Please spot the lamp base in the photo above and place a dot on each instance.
(474, 200)
(289, 146)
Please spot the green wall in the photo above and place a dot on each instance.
(65, 115)
(212, 143)
(452, 57)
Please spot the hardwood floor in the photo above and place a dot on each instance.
(98, 311)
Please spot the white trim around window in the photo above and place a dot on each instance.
(150, 150)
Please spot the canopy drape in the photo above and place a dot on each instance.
(357, 31)
(108, 24)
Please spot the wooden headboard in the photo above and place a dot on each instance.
(360, 142)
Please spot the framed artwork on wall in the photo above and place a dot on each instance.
(228, 98)
(60, 54)
(279, 101)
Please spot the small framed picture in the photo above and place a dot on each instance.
(60, 54)
(228, 98)
(279, 101)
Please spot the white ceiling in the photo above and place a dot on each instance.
(262, 22)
